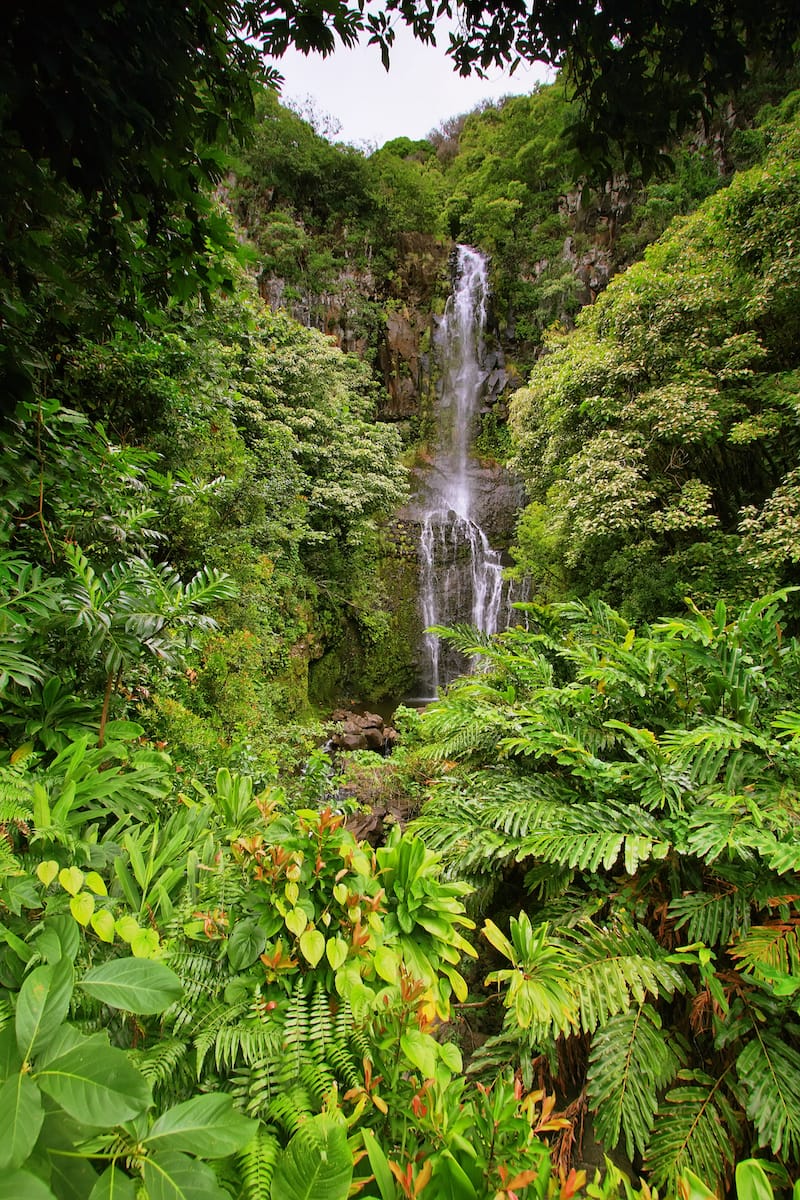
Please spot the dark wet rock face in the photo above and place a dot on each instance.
(361, 731)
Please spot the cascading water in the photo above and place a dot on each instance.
(460, 574)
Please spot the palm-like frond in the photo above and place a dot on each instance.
(615, 968)
(461, 730)
(696, 1129)
(769, 1071)
(776, 946)
(631, 1060)
(712, 917)
(255, 1165)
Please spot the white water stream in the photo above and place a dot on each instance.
(460, 574)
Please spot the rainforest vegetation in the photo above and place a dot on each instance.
(576, 970)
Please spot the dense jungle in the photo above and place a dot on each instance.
(537, 938)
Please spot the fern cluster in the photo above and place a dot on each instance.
(645, 783)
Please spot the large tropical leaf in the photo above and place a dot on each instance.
(133, 984)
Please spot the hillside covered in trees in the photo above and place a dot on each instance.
(566, 961)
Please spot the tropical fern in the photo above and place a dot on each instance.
(775, 946)
(632, 1059)
(291, 1107)
(769, 1071)
(614, 968)
(255, 1165)
(697, 1129)
(167, 1067)
(255, 1085)
(713, 917)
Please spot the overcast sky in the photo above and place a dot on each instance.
(419, 91)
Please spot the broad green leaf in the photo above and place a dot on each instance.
(207, 1126)
(751, 1181)
(694, 1189)
(145, 944)
(451, 1057)
(296, 921)
(82, 907)
(95, 1085)
(21, 1116)
(102, 923)
(134, 984)
(312, 946)
(316, 1165)
(20, 948)
(71, 1177)
(47, 871)
(10, 1057)
(113, 1185)
(173, 1176)
(499, 940)
(450, 1179)
(420, 1049)
(71, 879)
(22, 1185)
(123, 730)
(127, 927)
(336, 951)
(387, 964)
(42, 1005)
(246, 942)
(96, 884)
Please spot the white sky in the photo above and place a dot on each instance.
(419, 91)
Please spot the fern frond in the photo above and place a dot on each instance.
(773, 945)
(723, 827)
(291, 1108)
(321, 1027)
(769, 1071)
(167, 1068)
(468, 640)
(548, 882)
(614, 968)
(215, 1021)
(464, 730)
(631, 1059)
(9, 863)
(256, 1164)
(255, 1086)
(712, 917)
(6, 1010)
(295, 1032)
(318, 1081)
(344, 1064)
(696, 1129)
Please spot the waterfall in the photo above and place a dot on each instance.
(461, 575)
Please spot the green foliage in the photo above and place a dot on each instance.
(642, 780)
(659, 435)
